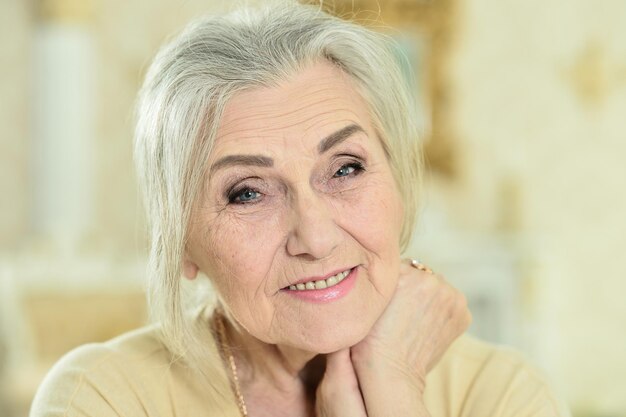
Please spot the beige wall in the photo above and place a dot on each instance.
(15, 35)
(541, 110)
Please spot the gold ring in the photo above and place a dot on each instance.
(418, 265)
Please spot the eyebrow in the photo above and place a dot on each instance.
(327, 143)
(339, 136)
(252, 160)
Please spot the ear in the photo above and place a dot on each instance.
(190, 269)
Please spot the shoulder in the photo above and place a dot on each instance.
(485, 379)
(104, 378)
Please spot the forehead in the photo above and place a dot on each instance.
(309, 105)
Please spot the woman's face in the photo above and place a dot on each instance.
(299, 190)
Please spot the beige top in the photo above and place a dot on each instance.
(134, 376)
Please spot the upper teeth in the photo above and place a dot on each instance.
(321, 284)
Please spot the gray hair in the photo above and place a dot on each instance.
(184, 95)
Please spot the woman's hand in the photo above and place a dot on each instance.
(424, 317)
(338, 393)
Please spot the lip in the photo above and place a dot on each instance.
(305, 280)
(327, 294)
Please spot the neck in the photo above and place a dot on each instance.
(274, 372)
(259, 361)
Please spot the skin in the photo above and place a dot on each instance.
(258, 229)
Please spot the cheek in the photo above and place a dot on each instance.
(373, 214)
(374, 220)
(238, 251)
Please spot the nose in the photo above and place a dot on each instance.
(314, 232)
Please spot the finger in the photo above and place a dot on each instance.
(338, 394)
(339, 368)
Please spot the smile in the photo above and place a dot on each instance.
(324, 290)
(320, 284)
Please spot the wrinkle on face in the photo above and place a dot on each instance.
(321, 90)
(251, 119)
(243, 248)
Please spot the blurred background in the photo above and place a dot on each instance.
(524, 124)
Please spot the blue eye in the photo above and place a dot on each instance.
(344, 171)
(349, 169)
(244, 196)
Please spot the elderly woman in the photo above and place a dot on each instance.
(278, 157)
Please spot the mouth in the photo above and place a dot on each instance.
(319, 284)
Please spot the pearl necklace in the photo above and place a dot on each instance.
(227, 356)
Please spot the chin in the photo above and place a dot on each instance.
(337, 345)
(341, 337)
(334, 326)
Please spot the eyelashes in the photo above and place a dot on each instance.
(243, 195)
(354, 168)
(250, 190)
(242, 190)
